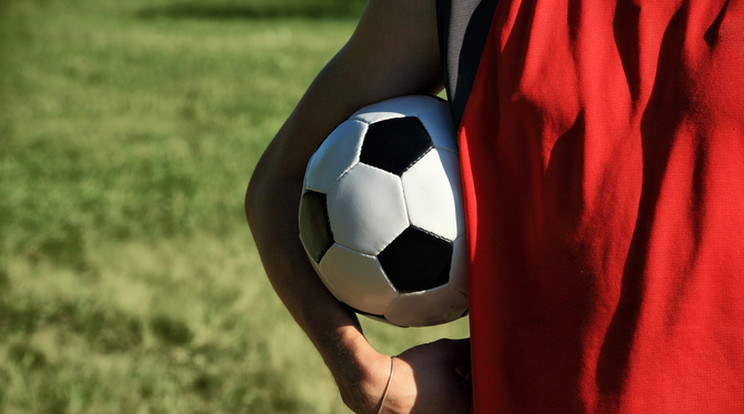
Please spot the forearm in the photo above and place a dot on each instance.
(271, 210)
(271, 206)
(393, 52)
(272, 202)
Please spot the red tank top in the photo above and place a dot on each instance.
(603, 166)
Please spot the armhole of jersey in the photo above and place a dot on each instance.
(462, 37)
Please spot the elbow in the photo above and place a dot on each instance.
(272, 196)
(253, 200)
(256, 192)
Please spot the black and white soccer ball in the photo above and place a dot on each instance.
(381, 216)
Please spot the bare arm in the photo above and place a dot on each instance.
(394, 51)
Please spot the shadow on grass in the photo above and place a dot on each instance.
(273, 10)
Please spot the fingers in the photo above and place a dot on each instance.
(451, 353)
(461, 355)
(432, 378)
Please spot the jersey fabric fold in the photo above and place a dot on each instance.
(602, 146)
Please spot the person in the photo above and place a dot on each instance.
(392, 52)
(602, 149)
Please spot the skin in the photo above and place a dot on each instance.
(393, 52)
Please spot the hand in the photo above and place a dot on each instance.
(430, 378)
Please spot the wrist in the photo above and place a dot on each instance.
(353, 358)
(361, 373)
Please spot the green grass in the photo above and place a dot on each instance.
(128, 280)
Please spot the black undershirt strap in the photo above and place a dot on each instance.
(463, 30)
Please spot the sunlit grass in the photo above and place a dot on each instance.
(177, 326)
(146, 116)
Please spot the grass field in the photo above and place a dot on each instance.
(128, 279)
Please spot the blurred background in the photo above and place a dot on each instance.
(129, 282)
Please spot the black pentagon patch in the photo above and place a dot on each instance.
(315, 229)
(395, 144)
(417, 260)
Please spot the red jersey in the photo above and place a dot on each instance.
(603, 163)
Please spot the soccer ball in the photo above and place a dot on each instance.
(381, 214)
